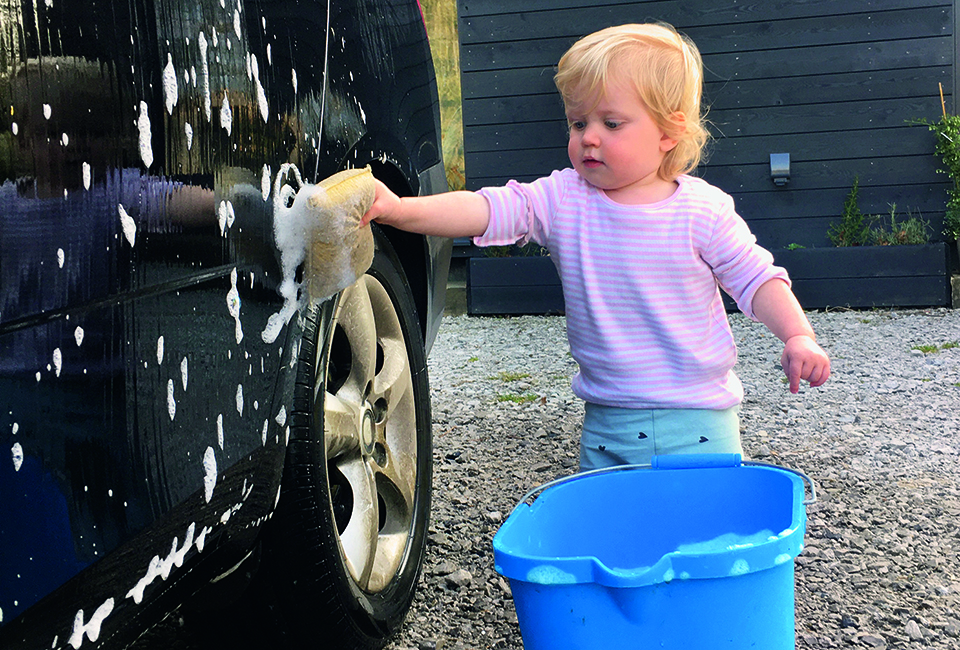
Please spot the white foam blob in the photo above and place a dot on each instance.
(17, 452)
(146, 138)
(209, 473)
(171, 94)
(128, 224)
(92, 627)
(171, 402)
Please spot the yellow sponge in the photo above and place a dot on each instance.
(340, 250)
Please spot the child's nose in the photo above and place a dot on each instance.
(591, 136)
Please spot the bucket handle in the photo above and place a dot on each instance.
(809, 481)
(678, 461)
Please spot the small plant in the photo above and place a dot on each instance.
(853, 229)
(931, 349)
(948, 148)
(795, 246)
(518, 399)
(511, 376)
(915, 230)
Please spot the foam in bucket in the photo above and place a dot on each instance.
(660, 558)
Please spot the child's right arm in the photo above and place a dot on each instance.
(451, 214)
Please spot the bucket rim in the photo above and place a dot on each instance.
(763, 552)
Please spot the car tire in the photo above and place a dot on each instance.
(347, 540)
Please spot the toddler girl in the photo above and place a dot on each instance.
(642, 249)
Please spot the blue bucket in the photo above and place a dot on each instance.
(695, 552)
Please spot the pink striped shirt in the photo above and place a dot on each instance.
(645, 320)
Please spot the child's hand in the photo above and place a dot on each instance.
(803, 359)
(385, 205)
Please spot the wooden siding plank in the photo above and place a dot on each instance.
(826, 88)
(729, 93)
(935, 50)
(890, 170)
(804, 25)
(906, 140)
(876, 113)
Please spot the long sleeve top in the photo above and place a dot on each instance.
(645, 320)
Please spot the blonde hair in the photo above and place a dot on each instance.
(662, 65)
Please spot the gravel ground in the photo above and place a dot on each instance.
(880, 568)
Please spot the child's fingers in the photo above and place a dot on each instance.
(793, 371)
(819, 375)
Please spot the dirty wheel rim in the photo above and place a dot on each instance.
(369, 433)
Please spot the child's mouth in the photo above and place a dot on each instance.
(591, 163)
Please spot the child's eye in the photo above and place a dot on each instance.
(611, 124)
(577, 125)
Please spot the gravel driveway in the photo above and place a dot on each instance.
(880, 568)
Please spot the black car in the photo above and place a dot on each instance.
(180, 425)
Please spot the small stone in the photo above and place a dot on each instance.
(873, 641)
(444, 568)
(459, 578)
(848, 621)
(494, 516)
(913, 631)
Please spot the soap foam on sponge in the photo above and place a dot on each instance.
(319, 226)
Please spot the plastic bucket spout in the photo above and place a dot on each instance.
(695, 553)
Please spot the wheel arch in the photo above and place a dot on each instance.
(411, 248)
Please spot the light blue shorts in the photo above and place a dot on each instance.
(622, 436)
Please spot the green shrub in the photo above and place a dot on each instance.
(853, 229)
(948, 148)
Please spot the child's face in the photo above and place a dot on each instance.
(618, 147)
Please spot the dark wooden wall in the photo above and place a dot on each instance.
(834, 83)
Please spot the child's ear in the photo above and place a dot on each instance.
(675, 128)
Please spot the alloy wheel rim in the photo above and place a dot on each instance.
(370, 433)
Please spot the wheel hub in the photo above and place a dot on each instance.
(367, 430)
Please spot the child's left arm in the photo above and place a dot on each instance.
(775, 306)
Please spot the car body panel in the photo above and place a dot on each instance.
(142, 403)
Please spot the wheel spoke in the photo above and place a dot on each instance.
(341, 429)
(398, 436)
(360, 538)
(393, 381)
(359, 325)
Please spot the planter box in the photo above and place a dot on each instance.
(869, 276)
(857, 277)
(513, 286)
